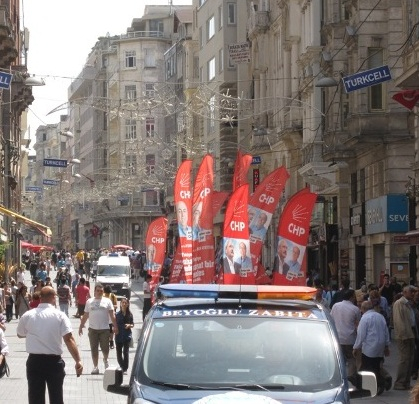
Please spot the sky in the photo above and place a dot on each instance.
(62, 34)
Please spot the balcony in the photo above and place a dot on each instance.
(8, 49)
(258, 23)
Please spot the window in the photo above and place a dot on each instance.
(170, 67)
(149, 58)
(201, 74)
(354, 188)
(150, 164)
(44, 137)
(344, 109)
(212, 113)
(210, 28)
(231, 13)
(221, 60)
(149, 90)
(149, 127)
(376, 94)
(211, 69)
(131, 161)
(220, 17)
(151, 198)
(156, 25)
(131, 93)
(201, 38)
(130, 129)
(130, 59)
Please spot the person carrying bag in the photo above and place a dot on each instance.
(4, 351)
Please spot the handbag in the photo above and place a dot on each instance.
(4, 368)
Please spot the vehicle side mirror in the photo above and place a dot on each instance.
(366, 385)
(112, 381)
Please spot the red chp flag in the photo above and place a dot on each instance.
(177, 274)
(218, 199)
(183, 204)
(408, 98)
(241, 168)
(262, 205)
(293, 231)
(236, 265)
(202, 223)
(155, 248)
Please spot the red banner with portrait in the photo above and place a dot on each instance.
(262, 205)
(236, 262)
(177, 274)
(202, 223)
(293, 231)
(155, 248)
(241, 167)
(183, 205)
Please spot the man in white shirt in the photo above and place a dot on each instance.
(45, 328)
(100, 312)
(346, 316)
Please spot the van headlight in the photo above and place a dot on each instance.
(125, 285)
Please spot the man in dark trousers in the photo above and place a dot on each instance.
(45, 328)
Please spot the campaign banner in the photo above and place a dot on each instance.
(218, 199)
(155, 249)
(293, 231)
(177, 274)
(236, 262)
(202, 223)
(183, 204)
(262, 205)
(241, 167)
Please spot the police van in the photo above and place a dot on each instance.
(115, 270)
(269, 342)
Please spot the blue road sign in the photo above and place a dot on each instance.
(5, 80)
(367, 78)
(49, 182)
(33, 189)
(256, 160)
(55, 163)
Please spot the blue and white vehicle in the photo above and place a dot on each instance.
(270, 342)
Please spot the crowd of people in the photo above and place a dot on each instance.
(58, 281)
(367, 319)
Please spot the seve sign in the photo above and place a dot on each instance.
(367, 78)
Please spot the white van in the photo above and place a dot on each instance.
(115, 270)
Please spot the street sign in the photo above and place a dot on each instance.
(5, 80)
(256, 160)
(49, 182)
(55, 163)
(33, 189)
(367, 78)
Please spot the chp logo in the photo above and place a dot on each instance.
(239, 211)
(158, 235)
(300, 216)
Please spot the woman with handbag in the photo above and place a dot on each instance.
(125, 322)
(22, 301)
(4, 351)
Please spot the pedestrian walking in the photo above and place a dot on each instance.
(4, 347)
(110, 295)
(45, 328)
(82, 295)
(147, 295)
(64, 296)
(22, 301)
(99, 310)
(372, 341)
(125, 322)
(346, 316)
(404, 334)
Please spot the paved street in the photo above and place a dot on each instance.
(85, 389)
(88, 388)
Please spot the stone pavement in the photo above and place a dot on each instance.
(88, 389)
(81, 390)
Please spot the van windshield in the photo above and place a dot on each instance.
(113, 270)
(225, 351)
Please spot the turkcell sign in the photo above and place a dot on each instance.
(5, 80)
(50, 182)
(33, 189)
(55, 163)
(367, 78)
(256, 160)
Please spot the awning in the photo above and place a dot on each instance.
(413, 236)
(45, 230)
